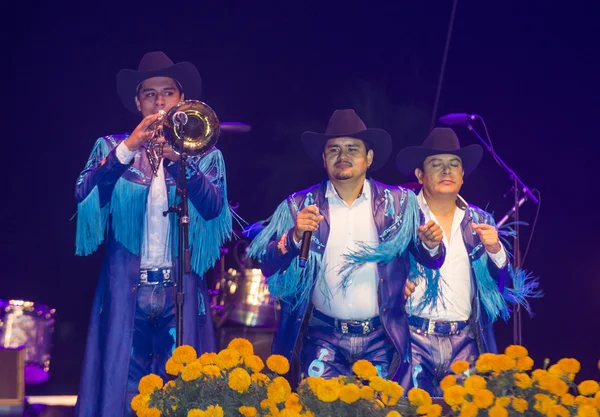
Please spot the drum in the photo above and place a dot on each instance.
(243, 297)
(30, 325)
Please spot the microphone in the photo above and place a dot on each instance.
(304, 249)
(457, 119)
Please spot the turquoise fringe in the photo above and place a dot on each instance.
(91, 224)
(127, 209)
(524, 286)
(280, 222)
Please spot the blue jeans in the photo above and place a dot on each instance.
(153, 335)
(329, 353)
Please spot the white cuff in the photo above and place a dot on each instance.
(498, 258)
(124, 155)
(433, 251)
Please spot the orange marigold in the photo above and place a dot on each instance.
(455, 396)
(524, 364)
(459, 367)
(279, 390)
(448, 381)
(474, 383)
(255, 363)
(364, 369)
(328, 390)
(349, 393)
(586, 388)
(191, 371)
(278, 364)
(214, 411)
(228, 358)
(520, 405)
(516, 351)
(483, 398)
(498, 411)
(260, 379)
(486, 362)
(184, 354)
(239, 380)
(149, 383)
(569, 365)
(248, 411)
(208, 358)
(242, 346)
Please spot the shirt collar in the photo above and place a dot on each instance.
(364, 195)
(461, 204)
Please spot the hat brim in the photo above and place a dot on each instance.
(185, 73)
(379, 140)
(412, 157)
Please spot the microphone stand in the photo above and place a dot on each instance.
(518, 188)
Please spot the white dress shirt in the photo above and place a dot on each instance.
(348, 225)
(455, 280)
(156, 251)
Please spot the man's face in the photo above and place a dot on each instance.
(346, 158)
(157, 93)
(443, 174)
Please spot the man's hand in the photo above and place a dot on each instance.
(167, 151)
(141, 133)
(489, 236)
(409, 288)
(307, 221)
(431, 234)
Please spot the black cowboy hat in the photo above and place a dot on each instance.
(441, 140)
(346, 123)
(158, 64)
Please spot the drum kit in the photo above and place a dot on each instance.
(29, 326)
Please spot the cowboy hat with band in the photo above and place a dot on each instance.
(157, 64)
(441, 140)
(346, 123)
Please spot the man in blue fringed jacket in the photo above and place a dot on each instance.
(121, 199)
(346, 304)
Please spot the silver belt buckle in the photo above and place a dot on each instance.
(366, 327)
(344, 327)
(431, 327)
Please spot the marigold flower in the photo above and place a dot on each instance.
(586, 388)
(420, 398)
(211, 371)
(468, 410)
(569, 365)
(248, 411)
(483, 398)
(498, 411)
(268, 404)
(516, 351)
(447, 382)
(455, 396)
(208, 358)
(543, 403)
(474, 383)
(367, 393)
(239, 380)
(597, 398)
(349, 393)
(191, 371)
(328, 390)
(364, 369)
(378, 383)
(567, 400)
(503, 401)
(242, 346)
(524, 364)
(580, 400)
(520, 405)
(504, 363)
(288, 413)
(279, 390)
(278, 364)
(558, 387)
(260, 379)
(228, 358)
(558, 411)
(292, 402)
(435, 410)
(149, 412)
(459, 367)
(313, 383)
(587, 411)
(255, 363)
(196, 412)
(486, 362)
(184, 354)
(173, 368)
(149, 383)
(393, 391)
(214, 411)
(140, 401)
(393, 413)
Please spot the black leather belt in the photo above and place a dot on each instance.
(442, 328)
(349, 326)
(156, 276)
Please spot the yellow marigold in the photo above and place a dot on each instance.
(524, 364)
(367, 393)
(503, 401)
(447, 382)
(558, 411)
(312, 382)
(474, 383)
(364, 369)
(248, 411)
(520, 405)
(522, 381)
(543, 403)
(268, 404)
(498, 411)
(587, 411)
(586, 388)
(556, 371)
(239, 380)
(279, 390)
(260, 379)
(140, 401)
(435, 410)
(288, 413)
(149, 412)
(393, 391)
(228, 358)
(242, 346)
(459, 367)
(254, 363)
(308, 413)
(569, 365)
(170, 384)
(328, 390)
(504, 363)
(278, 364)
(483, 398)
(486, 362)
(540, 375)
(455, 396)
(208, 358)
(349, 393)
(420, 398)
(468, 410)
(191, 371)
(558, 387)
(211, 371)
(567, 400)
(516, 351)
(581, 400)
(184, 354)
(196, 412)
(173, 368)
(149, 383)
(597, 398)
(214, 411)
(292, 402)
(378, 383)
(393, 413)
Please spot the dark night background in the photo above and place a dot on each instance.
(529, 68)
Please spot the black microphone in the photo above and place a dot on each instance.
(457, 119)
(304, 249)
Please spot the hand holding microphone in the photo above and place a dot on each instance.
(307, 222)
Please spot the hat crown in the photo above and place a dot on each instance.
(442, 139)
(343, 122)
(152, 61)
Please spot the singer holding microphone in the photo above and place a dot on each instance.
(336, 256)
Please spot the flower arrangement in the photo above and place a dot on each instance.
(236, 382)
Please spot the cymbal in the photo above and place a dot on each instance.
(235, 127)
